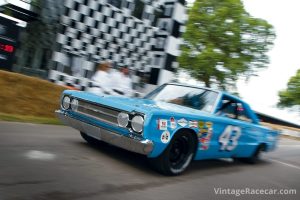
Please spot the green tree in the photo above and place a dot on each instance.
(291, 96)
(222, 41)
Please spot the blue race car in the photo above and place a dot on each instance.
(172, 125)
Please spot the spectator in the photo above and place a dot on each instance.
(102, 81)
(122, 82)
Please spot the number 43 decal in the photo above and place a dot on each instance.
(229, 138)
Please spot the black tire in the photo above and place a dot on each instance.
(256, 156)
(177, 156)
(89, 139)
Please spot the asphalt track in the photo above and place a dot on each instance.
(46, 162)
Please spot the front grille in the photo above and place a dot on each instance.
(100, 112)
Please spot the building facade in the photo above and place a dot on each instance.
(37, 40)
(76, 34)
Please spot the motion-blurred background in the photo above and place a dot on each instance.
(247, 47)
(216, 44)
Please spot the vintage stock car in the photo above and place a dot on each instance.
(172, 125)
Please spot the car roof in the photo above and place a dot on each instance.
(214, 90)
(234, 97)
(194, 86)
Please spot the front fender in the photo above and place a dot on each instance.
(155, 132)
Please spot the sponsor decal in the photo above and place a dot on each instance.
(203, 130)
(182, 122)
(199, 134)
(193, 124)
(162, 124)
(173, 123)
(201, 124)
(204, 136)
(204, 140)
(165, 137)
(204, 147)
(209, 124)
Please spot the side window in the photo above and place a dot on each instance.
(234, 109)
(228, 109)
(242, 114)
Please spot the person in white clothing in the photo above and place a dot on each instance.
(102, 80)
(122, 82)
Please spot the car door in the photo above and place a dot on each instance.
(224, 141)
(239, 136)
(251, 133)
(225, 133)
(233, 131)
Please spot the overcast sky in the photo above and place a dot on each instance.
(262, 92)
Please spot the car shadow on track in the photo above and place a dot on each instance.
(140, 162)
(135, 160)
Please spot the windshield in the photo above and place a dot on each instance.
(197, 98)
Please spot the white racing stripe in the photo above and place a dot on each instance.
(286, 164)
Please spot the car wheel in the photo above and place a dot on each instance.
(256, 156)
(89, 139)
(178, 154)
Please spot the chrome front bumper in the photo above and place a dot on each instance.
(139, 146)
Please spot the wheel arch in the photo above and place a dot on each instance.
(194, 134)
(160, 147)
(162, 162)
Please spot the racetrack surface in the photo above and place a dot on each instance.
(47, 162)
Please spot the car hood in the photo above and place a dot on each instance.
(146, 106)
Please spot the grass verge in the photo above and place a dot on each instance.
(28, 99)
(25, 95)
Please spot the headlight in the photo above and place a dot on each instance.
(74, 104)
(123, 119)
(137, 123)
(66, 102)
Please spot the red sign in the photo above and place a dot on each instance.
(7, 48)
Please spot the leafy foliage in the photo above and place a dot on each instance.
(222, 41)
(291, 96)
